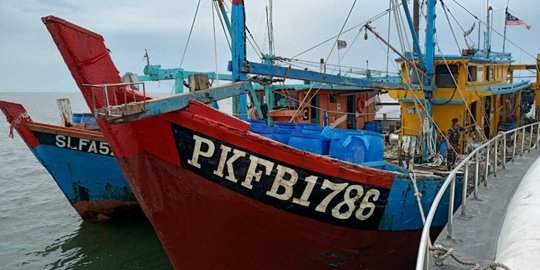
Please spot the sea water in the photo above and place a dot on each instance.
(38, 227)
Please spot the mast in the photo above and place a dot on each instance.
(487, 39)
(416, 20)
(269, 59)
(271, 28)
(413, 30)
(429, 69)
(238, 33)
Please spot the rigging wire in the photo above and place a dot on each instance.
(459, 24)
(251, 40)
(416, 99)
(341, 30)
(225, 31)
(215, 42)
(350, 46)
(450, 25)
(496, 32)
(190, 32)
(388, 36)
(372, 19)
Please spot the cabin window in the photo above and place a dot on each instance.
(445, 75)
(332, 98)
(480, 73)
(472, 72)
(489, 73)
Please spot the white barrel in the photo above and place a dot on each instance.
(519, 240)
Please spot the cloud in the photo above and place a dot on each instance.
(28, 53)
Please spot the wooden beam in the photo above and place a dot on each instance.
(148, 108)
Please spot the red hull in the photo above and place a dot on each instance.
(206, 222)
(205, 226)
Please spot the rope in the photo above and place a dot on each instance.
(417, 194)
(440, 254)
(301, 105)
(14, 124)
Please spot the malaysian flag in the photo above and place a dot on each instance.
(341, 44)
(513, 20)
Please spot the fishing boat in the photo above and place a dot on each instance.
(81, 163)
(221, 196)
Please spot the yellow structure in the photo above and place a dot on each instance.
(478, 91)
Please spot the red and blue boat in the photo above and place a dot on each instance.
(81, 163)
(222, 197)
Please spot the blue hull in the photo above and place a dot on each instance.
(88, 175)
(402, 212)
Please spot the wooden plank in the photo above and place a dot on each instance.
(73, 132)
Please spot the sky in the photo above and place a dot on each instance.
(29, 60)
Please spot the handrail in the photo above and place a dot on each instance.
(422, 259)
(131, 87)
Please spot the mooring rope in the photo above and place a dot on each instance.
(440, 253)
(14, 124)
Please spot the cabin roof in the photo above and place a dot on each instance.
(472, 56)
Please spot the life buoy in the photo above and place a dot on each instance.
(360, 105)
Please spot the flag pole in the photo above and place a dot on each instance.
(504, 34)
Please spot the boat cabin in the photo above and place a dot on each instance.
(479, 91)
(339, 107)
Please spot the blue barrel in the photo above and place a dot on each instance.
(376, 126)
(309, 141)
(256, 122)
(381, 164)
(263, 130)
(348, 145)
(302, 126)
(282, 135)
(285, 125)
(87, 118)
(375, 146)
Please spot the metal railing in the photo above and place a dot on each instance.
(475, 156)
(131, 87)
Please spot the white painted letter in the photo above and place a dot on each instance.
(285, 184)
(194, 161)
(82, 143)
(60, 140)
(104, 148)
(366, 204)
(253, 174)
(304, 199)
(93, 147)
(224, 161)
